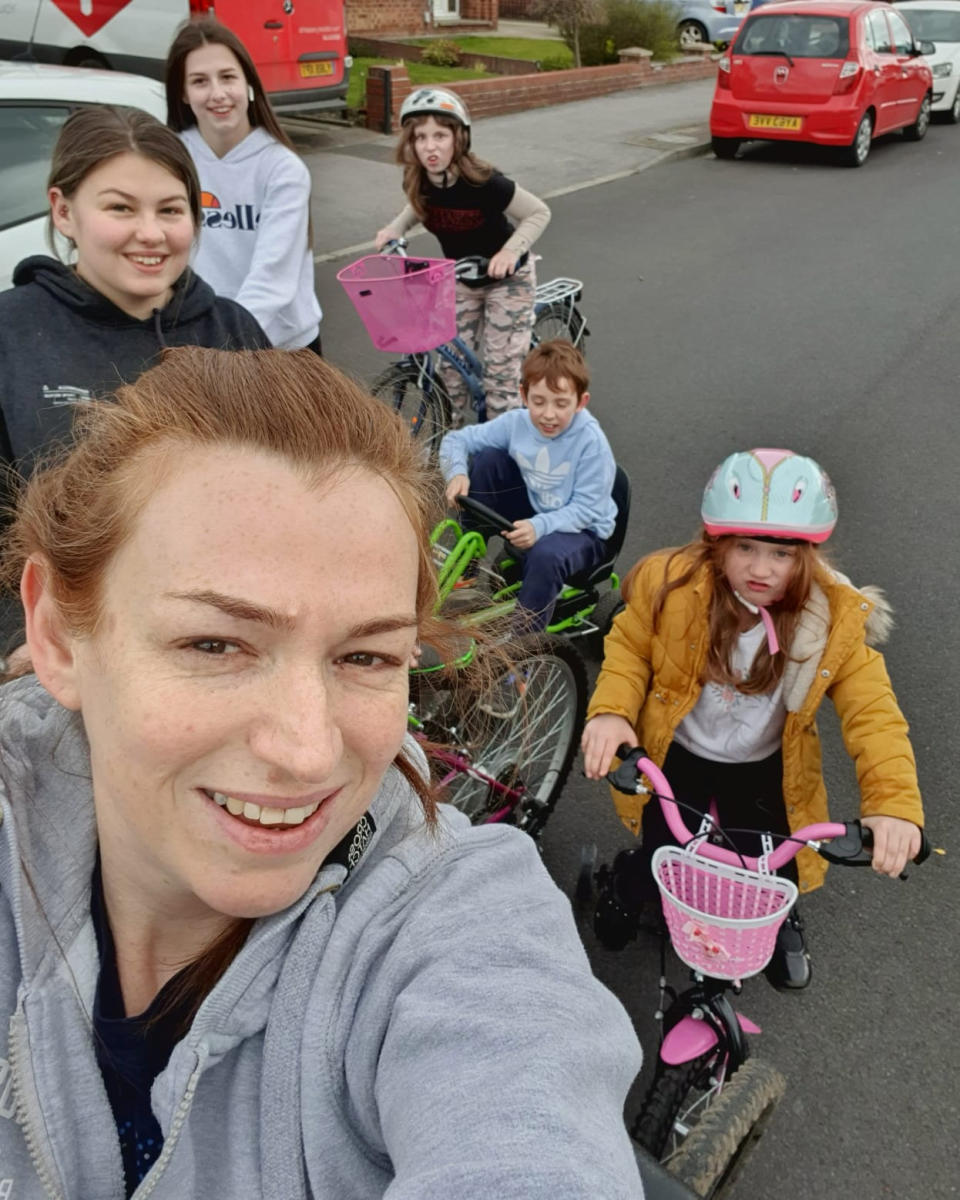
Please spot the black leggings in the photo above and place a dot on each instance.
(747, 795)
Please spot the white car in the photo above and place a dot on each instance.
(35, 100)
(938, 21)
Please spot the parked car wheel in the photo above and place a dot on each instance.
(691, 33)
(918, 130)
(725, 147)
(859, 149)
(953, 114)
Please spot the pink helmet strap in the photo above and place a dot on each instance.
(767, 620)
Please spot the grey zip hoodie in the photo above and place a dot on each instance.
(426, 1026)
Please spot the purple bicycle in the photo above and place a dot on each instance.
(709, 1100)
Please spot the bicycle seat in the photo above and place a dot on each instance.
(472, 270)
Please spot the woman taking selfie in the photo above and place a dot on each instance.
(242, 951)
(255, 245)
(124, 194)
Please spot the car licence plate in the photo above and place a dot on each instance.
(740, 7)
(316, 68)
(767, 121)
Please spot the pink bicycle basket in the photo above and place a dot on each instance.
(723, 920)
(407, 304)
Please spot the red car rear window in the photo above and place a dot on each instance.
(794, 35)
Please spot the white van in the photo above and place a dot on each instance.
(299, 46)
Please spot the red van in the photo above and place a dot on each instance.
(299, 46)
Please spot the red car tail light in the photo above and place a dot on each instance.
(847, 79)
(718, 6)
(723, 75)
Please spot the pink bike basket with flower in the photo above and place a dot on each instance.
(408, 305)
(723, 920)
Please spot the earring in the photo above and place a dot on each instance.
(250, 92)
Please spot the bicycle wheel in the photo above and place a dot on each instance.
(422, 403)
(677, 1098)
(560, 320)
(531, 750)
(714, 1152)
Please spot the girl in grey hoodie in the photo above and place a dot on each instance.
(242, 950)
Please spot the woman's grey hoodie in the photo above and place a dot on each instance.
(422, 1025)
(63, 342)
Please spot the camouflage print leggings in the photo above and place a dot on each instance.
(495, 322)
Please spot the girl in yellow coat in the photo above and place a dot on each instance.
(718, 665)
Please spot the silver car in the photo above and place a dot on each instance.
(699, 21)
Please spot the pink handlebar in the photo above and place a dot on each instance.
(781, 855)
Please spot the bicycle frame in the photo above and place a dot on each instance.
(703, 1018)
(561, 292)
(711, 1020)
(470, 547)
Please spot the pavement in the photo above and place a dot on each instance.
(550, 151)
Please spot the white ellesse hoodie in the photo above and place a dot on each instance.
(253, 245)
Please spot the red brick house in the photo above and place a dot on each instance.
(419, 16)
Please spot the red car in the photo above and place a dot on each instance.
(834, 72)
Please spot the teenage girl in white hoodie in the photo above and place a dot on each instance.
(255, 243)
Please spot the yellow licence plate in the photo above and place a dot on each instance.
(766, 121)
(316, 68)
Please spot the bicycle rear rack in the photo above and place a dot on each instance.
(559, 289)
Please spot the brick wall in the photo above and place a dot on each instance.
(393, 16)
(406, 16)
(519, 9)
(491, 97)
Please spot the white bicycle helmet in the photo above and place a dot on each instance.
(433, 102)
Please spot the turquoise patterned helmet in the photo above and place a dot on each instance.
(770, 494)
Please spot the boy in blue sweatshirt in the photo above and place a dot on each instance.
(546, 466)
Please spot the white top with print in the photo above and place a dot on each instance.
(727, 726)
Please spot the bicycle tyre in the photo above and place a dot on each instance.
(426, 413)
(560, 320)
(664, 1102)
(535, 746)
(713, 1154)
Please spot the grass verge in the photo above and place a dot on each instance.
(531, 49)
(418, 72)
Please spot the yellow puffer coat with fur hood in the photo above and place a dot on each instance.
(652, 677)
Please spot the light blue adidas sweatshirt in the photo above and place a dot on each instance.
(426, 1028)
(569, 477)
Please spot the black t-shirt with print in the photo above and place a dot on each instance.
(469, 218)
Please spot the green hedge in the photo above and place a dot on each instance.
(648, 23)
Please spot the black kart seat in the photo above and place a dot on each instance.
(621, 498)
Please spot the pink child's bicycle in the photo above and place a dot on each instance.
(709, 1100)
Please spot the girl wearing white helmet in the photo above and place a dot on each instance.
(718, 665)
(473, 210)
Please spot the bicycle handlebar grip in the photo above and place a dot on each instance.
(624, 778)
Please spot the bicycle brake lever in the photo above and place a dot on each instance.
(852, 850)
(626, 777)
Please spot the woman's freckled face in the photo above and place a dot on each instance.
(255, 644)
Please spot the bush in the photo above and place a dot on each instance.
(554, 62)
(441, 53)
(651, 24)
